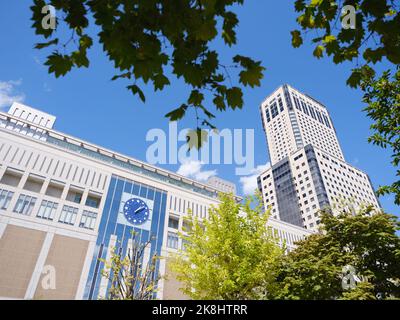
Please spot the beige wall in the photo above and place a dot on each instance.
(171, 285)
(19, 251)
(67, 256)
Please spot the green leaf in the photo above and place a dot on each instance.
(85, 42)
(177, 114)
(46, 44)
(228, 33)
(126, 75)
(374, 55)
(319, 51)
(137, 91)
(355, 78)
(329, 38)
(80, 59)
(59, 64)
(160, 81)
(297, 40)
(206, 31)
(219, 102)
(196, 98)
(252, 77)
(234, 96)
(315, 3)
(252, 73)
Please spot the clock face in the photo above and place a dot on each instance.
(136, 211)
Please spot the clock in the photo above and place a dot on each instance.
(136, 211)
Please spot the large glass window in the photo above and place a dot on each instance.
(326, 121)
(74, 195)
(319, 116)
(305, 109)
(173, 222)
(267, 114)
(68, 215)
(93, 201)
(280, 104)
(88, 220)
(274, 110)
(47, 210)
(172, 240)
(296, 102)
(312, 112)
(5, 198)
(25, 204)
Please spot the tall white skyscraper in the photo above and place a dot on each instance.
(308, 170)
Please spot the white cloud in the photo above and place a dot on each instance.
(192, 169)
(249, 183)
(8, 94)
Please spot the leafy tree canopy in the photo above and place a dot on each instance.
(382, 96)
(366, 242)
(376, 35)
(230, 255)
(145, 37)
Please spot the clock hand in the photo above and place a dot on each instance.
(138, 209)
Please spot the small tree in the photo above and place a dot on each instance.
(131, 278)
(230, 255)
(363, 242)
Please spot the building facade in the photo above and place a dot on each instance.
(65, 203)
(221, 184)
(308, 171)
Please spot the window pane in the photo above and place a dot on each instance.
(25, 204)
(68, 215)
(88, 220)
(173, 222)
(5, 198)
(172, 240)
(47, 210)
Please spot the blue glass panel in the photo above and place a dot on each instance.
(143, 191)
(150, 194)
(128, 187)
(136, 189)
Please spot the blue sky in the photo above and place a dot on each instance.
(90, 106)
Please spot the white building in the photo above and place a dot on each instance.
(222, 185)
(65, 202)
(308, 171)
